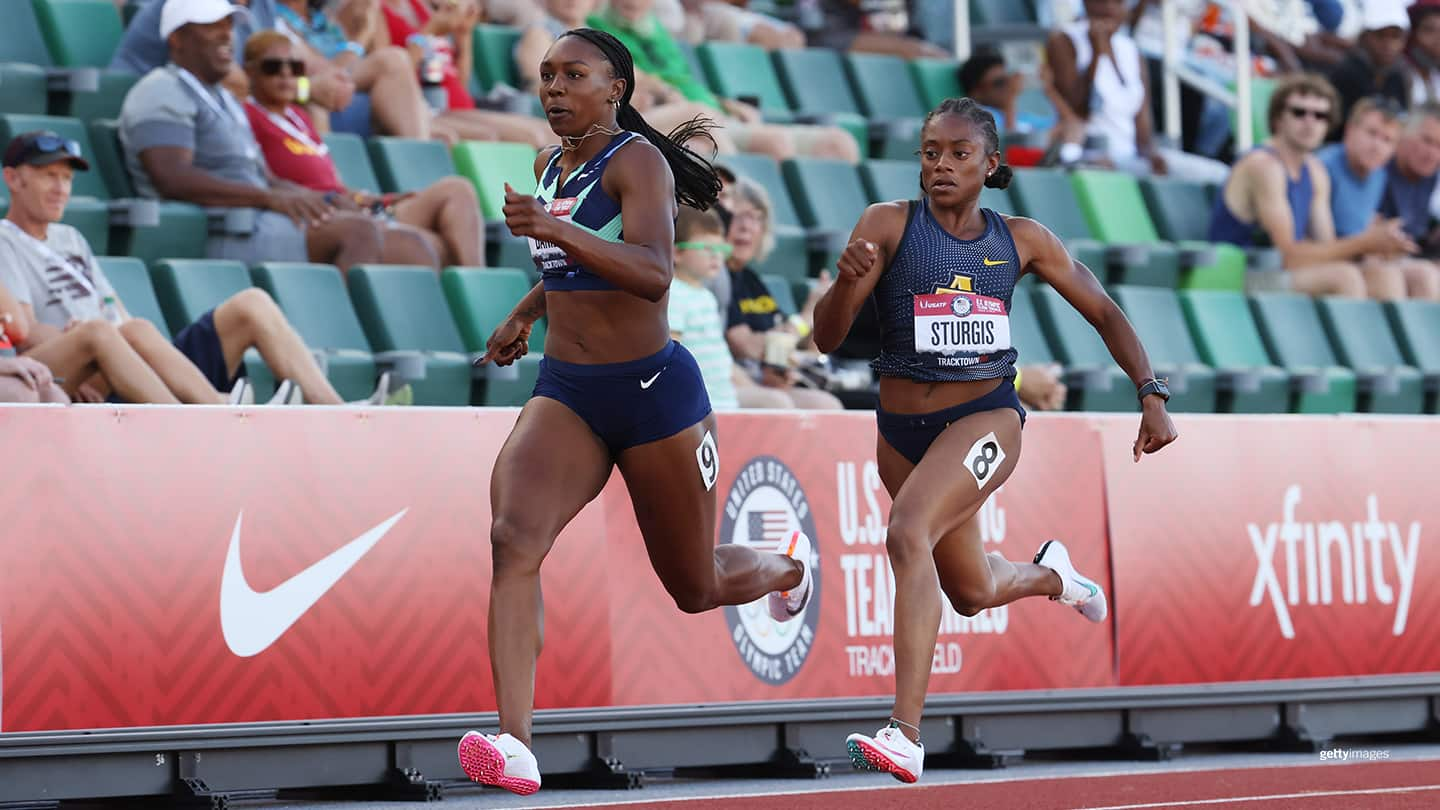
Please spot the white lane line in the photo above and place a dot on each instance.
(1269, 797)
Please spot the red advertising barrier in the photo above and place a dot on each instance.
(165, 566)
(1260, 548)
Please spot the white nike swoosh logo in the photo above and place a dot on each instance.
(251, 621)
(647, 383)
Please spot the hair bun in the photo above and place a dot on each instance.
(1001, 178)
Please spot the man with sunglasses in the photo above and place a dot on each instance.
(74, 321)
(185, 137)
(1280, 193)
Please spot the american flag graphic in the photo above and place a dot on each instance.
(770, 529)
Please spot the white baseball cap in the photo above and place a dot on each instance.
(1381, 14)
(183, 12)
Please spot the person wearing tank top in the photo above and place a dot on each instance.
(1280, 192)
(942, 272)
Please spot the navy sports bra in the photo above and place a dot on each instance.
(944, 302)
(583, 202)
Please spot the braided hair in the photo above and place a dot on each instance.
(696, 183)
(981, 118)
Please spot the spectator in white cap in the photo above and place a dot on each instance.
(1373, 67)
(186, 138)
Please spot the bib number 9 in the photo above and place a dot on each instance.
(708, 459)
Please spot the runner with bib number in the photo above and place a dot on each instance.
(942, 271)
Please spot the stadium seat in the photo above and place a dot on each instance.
(996, 199)
(132, 283)
(494, 49)
(831, 199)
(489, 166)
(79, 33)
(887, 94)
(1417, 329)
(86, 184)
(480, 298)
(404, 309)
(188, 288)
(315, 301)
(22, 89)
(182, 230)
(1295, 339)
(352, 162)
(20, 37)
(810, 78)
(739, 70)
(403, 164)
(1026, 334)
(1360, 333)
(791, 256)
(1047, 196)
(1115, 210)
(1158, 320)
(936, 79)
(108, 158)
(995, 12)
(92, 219)
(887, 180)
(1180, 211)
(1101, 384)
(1227, 338)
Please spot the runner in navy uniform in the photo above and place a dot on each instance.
(614, 389)
(942, 271)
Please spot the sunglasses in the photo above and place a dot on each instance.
(272, 67)
(721, 248)
(1302, 112)
(49, 144)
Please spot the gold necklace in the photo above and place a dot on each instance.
(569, 143)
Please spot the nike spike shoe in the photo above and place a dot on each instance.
(501, 761)
(889, 751)
(1082, 593)
(786, 605)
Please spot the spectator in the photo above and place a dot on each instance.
(1100, 76)
(700, 249)
(1409, 187)
(1422, 53)
(440, 41)
(697, 21)
(438, 226)
(54, 277)
(186, 138)
(22, 379)
(1356, 165)
(755, 327)
(663, 77)
(875, 26)
(1373, 66)
(1282, 191)
(984, 78)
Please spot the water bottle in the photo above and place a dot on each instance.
(110, 309)
(432, 72)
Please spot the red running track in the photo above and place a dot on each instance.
(1400, 785)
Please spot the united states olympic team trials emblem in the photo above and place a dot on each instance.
(763, 507)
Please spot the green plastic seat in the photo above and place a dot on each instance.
(79, 33)
(936, 79)
(85, 184)
(315, 301)
(352, 162)
(764, 170)
(403, 309)
(1115, 210)
(999, 12)
(1227, 338)
(1417, 329)
(1101, 384)
(809, 78)
(489, 166)
(22, 88)
(1295, 339)
(883, 87)
(740, 70)
(1158, 320)
(494, 48)
(480, 299)
(1180, 211)
(404, 164)
(887, 180)
(1360, 333)
(20, 37)
(1047, 196)
(92, 219)
(107, 158)
(187, 288)
(132, 284)
(829, 193)
(183, 228)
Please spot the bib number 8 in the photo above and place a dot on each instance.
(984, 458)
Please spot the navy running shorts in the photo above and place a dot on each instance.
(911, 434)
(201, 343)
(632, 403)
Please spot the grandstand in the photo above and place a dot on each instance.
(113, 665)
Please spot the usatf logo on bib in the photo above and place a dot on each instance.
(764, 506)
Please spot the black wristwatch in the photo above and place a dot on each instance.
(1154, 385)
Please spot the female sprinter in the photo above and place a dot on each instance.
(613, 389)
(942, 271)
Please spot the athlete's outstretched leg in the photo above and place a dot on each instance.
(550, 467)
(676, 513)
(973, 580)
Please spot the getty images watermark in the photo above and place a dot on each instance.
(1354, 754)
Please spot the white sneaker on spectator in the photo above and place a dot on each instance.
(286, 393)
(241, 394)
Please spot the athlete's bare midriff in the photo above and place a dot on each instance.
(901, 395)
(604, 326)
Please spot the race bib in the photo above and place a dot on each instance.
(954, 323)
(550, 258)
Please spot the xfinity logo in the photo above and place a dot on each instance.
(1324, 553)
